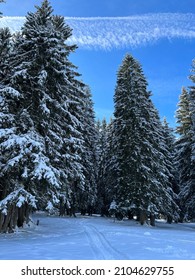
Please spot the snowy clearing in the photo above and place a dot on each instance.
(100, 238)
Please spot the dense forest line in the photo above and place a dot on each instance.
(55, 156)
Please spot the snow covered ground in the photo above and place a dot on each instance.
(98, 238)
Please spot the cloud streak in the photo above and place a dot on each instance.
(121, 32)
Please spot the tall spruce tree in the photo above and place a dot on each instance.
(183, 150)
(5, 48)
(105, 176)
(101, 127)
(15, 206)
(42, 142)
(6, 117)
(191, 203)
(88, 195)
(142, 181)
(186, 148)
(169, 151)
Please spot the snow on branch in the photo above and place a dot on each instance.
(6, 131)
(17, 197)
(10, 91)
(44, 170)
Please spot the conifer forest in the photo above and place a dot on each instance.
(55, 156)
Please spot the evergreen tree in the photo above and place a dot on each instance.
(141, 170)
(183, 149)
(103, 186)
(169, 152)
(101, 127)
(42, 142)
(5, 48)
(15, 202)
(186, 149)
(88, 194)
(6, 110)
(191, 204)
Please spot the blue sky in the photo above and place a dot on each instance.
(158, 33)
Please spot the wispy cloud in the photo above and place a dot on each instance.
(121, 32)
(14, 23)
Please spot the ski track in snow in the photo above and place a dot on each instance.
(101, 246)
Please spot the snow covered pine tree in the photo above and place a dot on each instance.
(169, 152)
(15, 206)
(186, 149)
(191, 203)
(142, 181)
(42, 139)
(88, 195)
(183, 149)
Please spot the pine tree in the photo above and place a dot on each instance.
(186, 149)
(183, 149)
(15, 202)
(169, 152)
(6, 110)
(103, 189)
(43, 143)
(88, 194)
(141, 171)
(5, 48)
(101, 127)
(191, 204)
(183, 114)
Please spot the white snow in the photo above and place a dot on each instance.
(6, 131)
(21, 201)
(43, 169)
(92, 238)
(20, 196)
(11, 91)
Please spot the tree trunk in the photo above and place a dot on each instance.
(152, 220)
(130, 215)
(21, 217)
(2, 219)
(11, 221)
(138, 216)
(169, 220)
(6, 220)
(143, 217)
(27, 212)
(15, 219)
(62, 207)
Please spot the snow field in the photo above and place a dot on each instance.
(92, 238)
